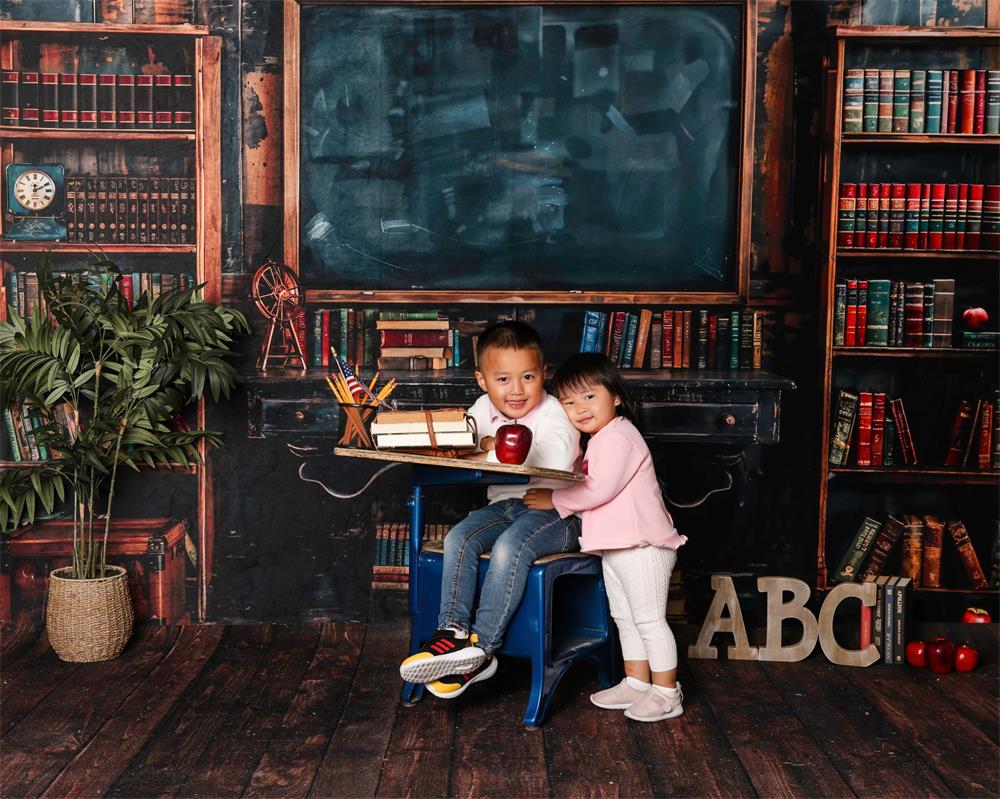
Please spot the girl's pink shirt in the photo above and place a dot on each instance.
(619, 502)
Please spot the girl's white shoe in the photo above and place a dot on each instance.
(656, 705)
(619, 697)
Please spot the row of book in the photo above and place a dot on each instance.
(391, 566)
(681, 338)
(131, 210)
(874, 427)
(894, 313)
(21, 422)
(885, 624)
(921, 101)
(922, 539)
(24, 295)
(919, 216)
(90, 100)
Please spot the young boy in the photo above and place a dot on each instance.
(512, 373)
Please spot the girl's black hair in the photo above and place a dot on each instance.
(587, 368)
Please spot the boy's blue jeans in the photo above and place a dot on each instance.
(515, 536)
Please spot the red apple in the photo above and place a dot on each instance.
(966, 658)
(940, 655)
(975, 318)
(512, 443)
(975, 616)
(916, 654)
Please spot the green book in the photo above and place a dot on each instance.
(877, 327)
(734, 339)
(932, 106)
(918, 85)
(889, 440)
(992, 101)
(901, 101)
(853, 558)
(846, 410)
(869, 118)
(839, 314)
(854, 96)
(885, 87)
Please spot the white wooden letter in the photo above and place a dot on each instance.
(866, 592)
(725, 597)
(778, 611)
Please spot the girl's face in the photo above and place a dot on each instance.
(589, 407)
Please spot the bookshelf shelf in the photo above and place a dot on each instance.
(910, 352)
(930, 255)
(908, 475)
(72, 134)
(894, 33)
(966, 140)
(70, 247)
(100, 28)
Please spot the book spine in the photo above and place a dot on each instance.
(588, 336)
(878, 623)
(901, 101)
(839, 313)
(686, 331)
(911, 220)
(992, 116)
(878, 428)
(935, 230)
(871, 227)
(927, 340)
(944, 311)
(959, 431)
(930, 571)
(974, 220)
(913, 548)
(907, 451)
(49, 99)
(72, 187)
(984, 438)
(877, 324)
(854, 96)
(885, 100)
(870, 101)
(901, 620)
(86, 100)
(995, 457)
(960, 535)
(656, 342)
(889, 440)
(701, 360)
(913, 322)
(125, 101)
(713, 340)
(861, 215)
(69, 115)
(843, 427)
(628, 343)
(28, 95)
(642, 338)
(861, 332)
(949, 241)
(897, 215)
(979, 118)
(183, 99)
(933, 107)
(953, 124)
(888, 602)
(735, 320)
(845, 219)
(10, 104)
(918, 89)
(863, 455)
(101, 200)
(851, 314)
(967, 100)
(925, 216)
(107, 115)
(668, 338)
(991, 217)
(857, 551)
(144, 113)
(163, 94)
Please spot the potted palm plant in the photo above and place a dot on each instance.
(105, 381)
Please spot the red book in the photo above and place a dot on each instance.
(991, 217)
(686, 347)
(413, 338)
(925, 215)
(713, 339)
(668, 338)
(950, 216)
(678, 361)
(985, 438)
(897, 215)
(904, 437)
(864, 448)
(911, 225)
(953, 123)
(979, 122)
(871, 228)
(883, 214)
(974, 223)
(861, 318)
(963, 215)
(861, 215)
(913, 315)
(126, 289)
(960, 430)
(845, 219)
(324, 338)
(968, 101)
(935, 232)
(878, 428)
(617, 326)
(851, 316)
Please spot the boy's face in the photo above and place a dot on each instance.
(513, 379)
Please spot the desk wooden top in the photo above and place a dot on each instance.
(456, 463)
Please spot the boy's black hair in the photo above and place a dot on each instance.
(586, 369)
(509, 335)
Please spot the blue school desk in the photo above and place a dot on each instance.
(563, 617)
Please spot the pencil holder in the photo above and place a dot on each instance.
(353, 429)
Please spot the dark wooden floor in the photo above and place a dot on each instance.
(212, 711)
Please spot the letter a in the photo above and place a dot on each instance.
(725, 597)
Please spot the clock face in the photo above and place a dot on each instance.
(35, 190)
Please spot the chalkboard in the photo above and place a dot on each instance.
(570, 148)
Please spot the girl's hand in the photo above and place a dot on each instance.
(539, 499)
(487, 443)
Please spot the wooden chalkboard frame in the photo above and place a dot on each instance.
(292, 186)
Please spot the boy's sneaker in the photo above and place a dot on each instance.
(454, 685)
(654, 705)
(442, 654)
(618, 697)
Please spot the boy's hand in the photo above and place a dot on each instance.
(539, 499)
(487, 443)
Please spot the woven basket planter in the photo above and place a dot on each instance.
(88, 620)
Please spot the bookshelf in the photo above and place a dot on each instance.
(931, 380)
(194, 152)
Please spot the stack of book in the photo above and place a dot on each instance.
(922, 101)
(22, 422)
(686, 338)
(894, 313)
(416, 344)
(452, 429)
(90, 100)
(919, 216)
(885, 624)
(391, 567)
(131, 210)
(922, 538)
(873, 426)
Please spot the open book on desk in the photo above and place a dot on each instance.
(457, 463)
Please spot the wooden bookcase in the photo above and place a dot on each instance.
(931, 379)
(58, 46)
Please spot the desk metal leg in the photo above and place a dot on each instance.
(414, 692)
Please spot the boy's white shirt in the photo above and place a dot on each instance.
(555, 443)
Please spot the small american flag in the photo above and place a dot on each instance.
(353, 384)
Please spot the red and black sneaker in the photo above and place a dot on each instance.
(454, 685)
(440, 655)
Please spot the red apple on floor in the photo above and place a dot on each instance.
(512, 443)
(916, 654)
(975, 318)
(966, 658)
(940, 655)
(975, 616)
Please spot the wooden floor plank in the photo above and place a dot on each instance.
(292, 759)
(498, 755)
(164, 762)
(41, 746)
(887, 763)
(352, 762)
(227, 763)
(16, 638)
(771, 742)
(108, 753)
(976, 695)
(963, 756)
(613, 765)
(28, 680)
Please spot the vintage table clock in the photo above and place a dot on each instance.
(35, 197)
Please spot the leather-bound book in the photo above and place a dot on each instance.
(913, 548)
(984, 437)
(891, 532)
(930, 576)
(970, 560)
(959, 431)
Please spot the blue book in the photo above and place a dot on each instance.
(588, 338)
(628, 344)
(602, 331)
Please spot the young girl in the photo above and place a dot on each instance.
(625, 520)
